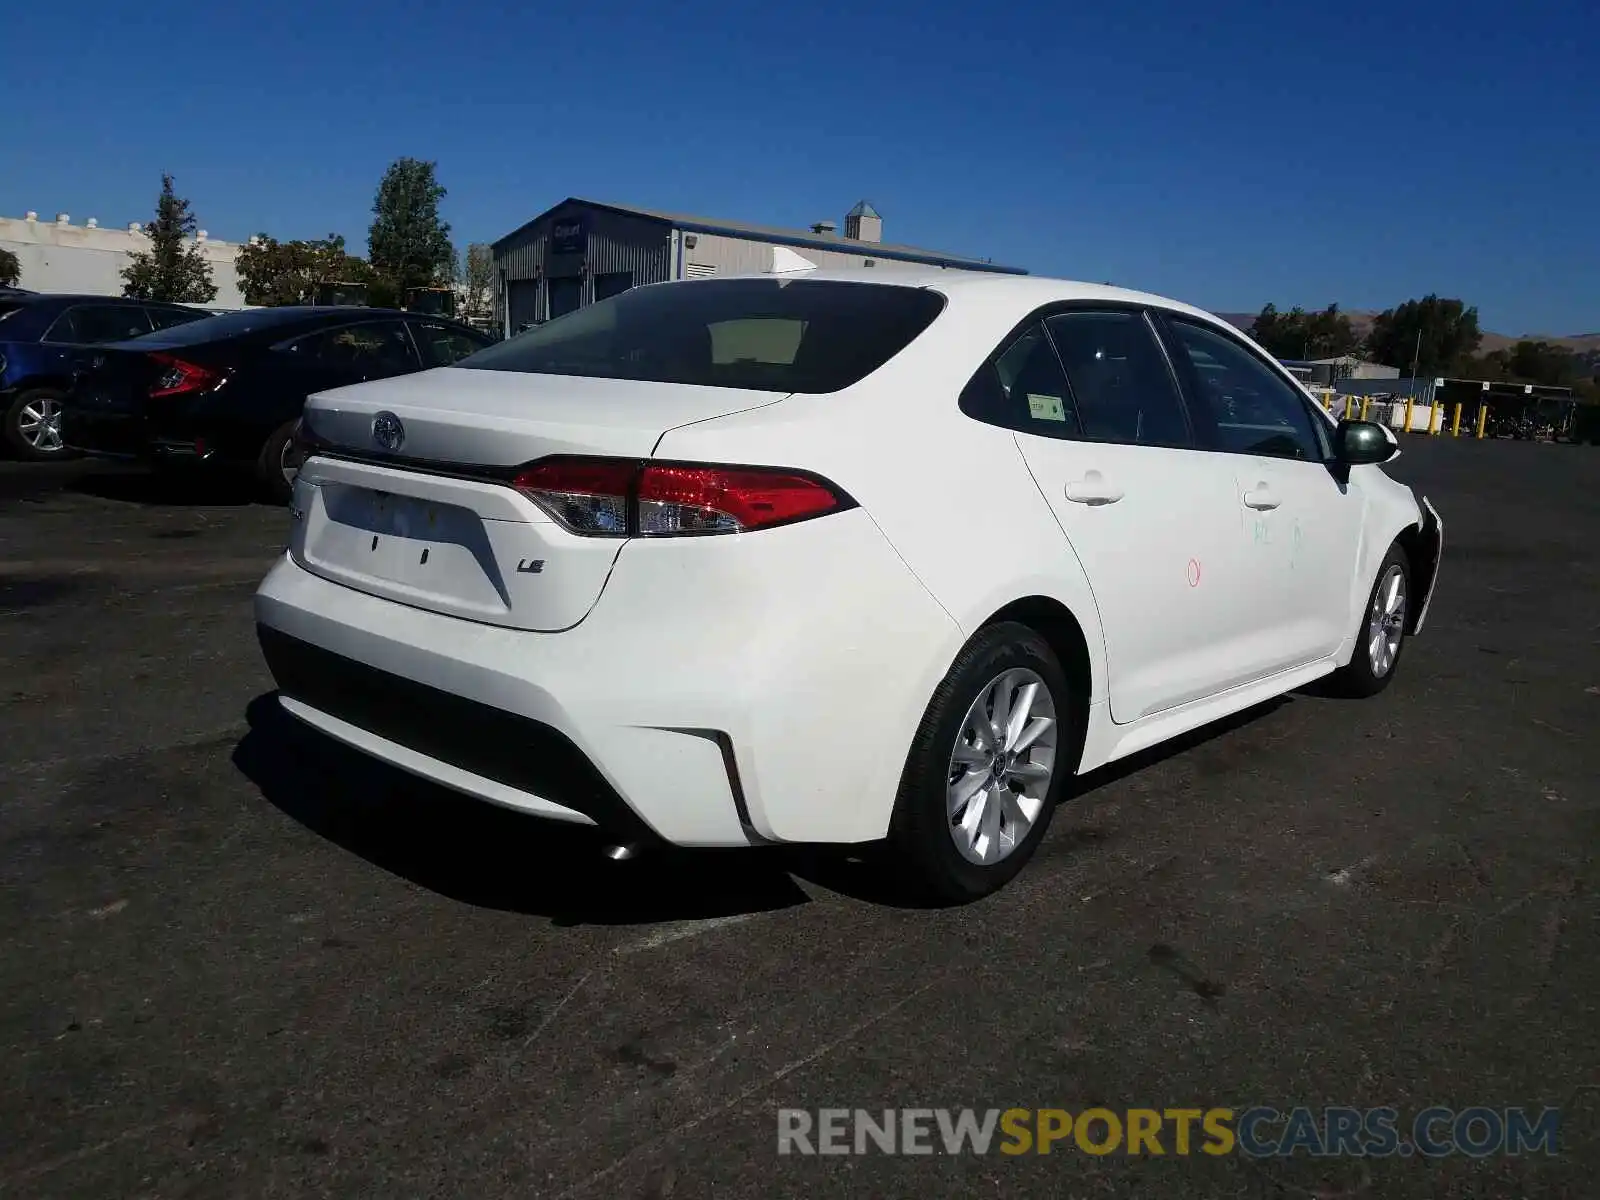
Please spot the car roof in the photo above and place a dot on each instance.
(39, 298)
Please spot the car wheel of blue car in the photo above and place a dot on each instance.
(33, 425)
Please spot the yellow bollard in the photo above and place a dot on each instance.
(1348, 401)
(1411, 404)
(1366, 403)
(1455, 424)
(1483, 418)
(1437, 418)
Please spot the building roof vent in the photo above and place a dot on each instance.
(32, 216)
(827, 228)
(863, 223)
(91, 223)
(135, 227)
(201, 236)
(63, 219)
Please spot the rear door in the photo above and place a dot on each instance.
(1150, 515)
(1301, 523)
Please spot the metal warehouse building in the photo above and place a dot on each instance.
(581, 251)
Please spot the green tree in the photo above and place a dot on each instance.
(1298, 334)
(273, 272)
(1540, 362)
(1439, 335)
(173, 269)
(10, 269)
(408, 245)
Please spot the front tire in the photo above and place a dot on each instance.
(1381, 636)
(986, 768)
(33, 426)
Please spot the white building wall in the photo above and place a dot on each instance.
(721, 255)
(58, 256)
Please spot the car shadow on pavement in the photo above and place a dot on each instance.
(493, 857)
(167, 489)
(1139, 760)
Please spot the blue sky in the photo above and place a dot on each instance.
(1224, 153)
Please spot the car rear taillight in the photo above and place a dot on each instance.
(609, 497)
(180, 377)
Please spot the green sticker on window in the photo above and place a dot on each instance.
(1046, 408)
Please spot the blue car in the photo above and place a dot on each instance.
(41, 338)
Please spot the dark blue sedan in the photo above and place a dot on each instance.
(41, 336)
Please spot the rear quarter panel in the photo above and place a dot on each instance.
(951, 495)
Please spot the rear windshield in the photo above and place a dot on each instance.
(777, 335)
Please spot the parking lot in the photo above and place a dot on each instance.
(235, 962)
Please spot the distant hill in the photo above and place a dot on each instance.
(1587, 344)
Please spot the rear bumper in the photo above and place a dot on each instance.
(765, 691)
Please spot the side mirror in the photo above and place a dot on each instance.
(1358, 442)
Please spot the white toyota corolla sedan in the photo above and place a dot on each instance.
(833, 558)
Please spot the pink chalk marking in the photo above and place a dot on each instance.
(1194, 572)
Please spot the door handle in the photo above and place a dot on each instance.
(1093, 489)
(1262, 497)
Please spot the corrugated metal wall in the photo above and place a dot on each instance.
(615, 245)
(736, 256)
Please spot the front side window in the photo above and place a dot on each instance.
(1255, 409)
(88, 324)
(779, 335)
(1120, 379)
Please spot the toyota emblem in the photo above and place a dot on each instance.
(388, 432)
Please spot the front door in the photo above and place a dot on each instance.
(1151, 517)
(1301, 524)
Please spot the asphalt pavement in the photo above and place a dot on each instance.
(236, 962)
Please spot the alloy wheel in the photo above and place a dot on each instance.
(1001, 766)
(39, 423)
(1386, 622)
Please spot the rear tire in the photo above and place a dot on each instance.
(32, 426)
(956, 848)
(1381, 633)
(278, 463)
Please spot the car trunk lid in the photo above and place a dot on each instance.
(413, 497)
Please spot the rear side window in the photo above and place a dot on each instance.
(778, 335)
(1023, 388)
(1120, 379)
(86, 324)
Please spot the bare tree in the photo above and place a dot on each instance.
(476, 280)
